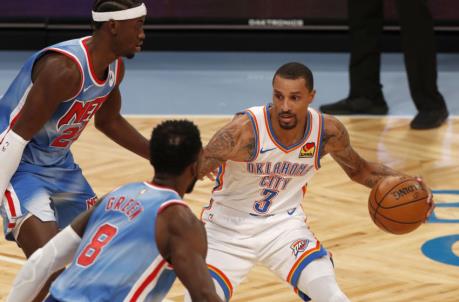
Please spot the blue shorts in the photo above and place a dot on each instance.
(49, 193)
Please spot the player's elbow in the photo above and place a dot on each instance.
(103, 125)
(358, 176)
(100, 124)
(360, 173)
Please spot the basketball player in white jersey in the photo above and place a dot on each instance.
(266, 156)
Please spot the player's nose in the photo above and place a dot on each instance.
(285, 105)
(142, 35)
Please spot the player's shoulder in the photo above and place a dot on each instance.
(239, 124)
(335, 135)
(240, 118)
(177, 214)
(57, 65)
(245, 119)
(332, 125)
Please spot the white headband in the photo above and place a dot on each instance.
(126, 14)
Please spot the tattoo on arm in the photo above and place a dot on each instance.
(325, 139)
(335, 137)
(217, 151)
(337, 142)
(361, 171)
(377, 172)
(250, 148)
(235, 141)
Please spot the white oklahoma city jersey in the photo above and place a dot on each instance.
(275, 179)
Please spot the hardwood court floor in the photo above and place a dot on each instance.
(370, 264)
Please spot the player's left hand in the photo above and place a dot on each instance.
(430, 200)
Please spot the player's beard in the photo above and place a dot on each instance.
(191, 186)
(288, 126)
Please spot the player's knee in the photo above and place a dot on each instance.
(33, 234)
(318, 268)
(339, 297)
(325, 289)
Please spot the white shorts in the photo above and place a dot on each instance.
(236, 241)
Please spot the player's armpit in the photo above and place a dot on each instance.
(235, 141)
(336, 141)
(182, 240)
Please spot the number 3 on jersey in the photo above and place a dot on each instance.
(262, 206)
(91, 251)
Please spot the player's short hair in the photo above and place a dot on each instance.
(174, 145)
(112, 6)
(295, 70)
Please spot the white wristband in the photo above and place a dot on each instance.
(11, 149)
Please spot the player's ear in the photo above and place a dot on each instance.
(113, 27)
(194, 169)
(311, 96)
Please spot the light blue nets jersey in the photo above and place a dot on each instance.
(118, 259)
(50, 146)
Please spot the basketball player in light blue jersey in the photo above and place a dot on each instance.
(131, 246)
(45, 109)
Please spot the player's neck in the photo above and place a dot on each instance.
(100, 54)
(168, 183)
(288, 137)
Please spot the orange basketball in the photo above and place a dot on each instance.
(398, 205)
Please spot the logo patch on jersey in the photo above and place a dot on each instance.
(266, 150)
(72, 123)
(111, 78)
(91, 202)
(307, 150)
(81, 112)
(299, 246)
(291, 211)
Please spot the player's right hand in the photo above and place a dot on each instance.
(429, 200)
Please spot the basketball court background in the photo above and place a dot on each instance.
(209, 87)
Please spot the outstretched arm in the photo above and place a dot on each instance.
(52, 257)
(182, 240)
(336, 142)
(110, 121)
(235, 141)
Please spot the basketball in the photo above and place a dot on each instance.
(398, 204)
